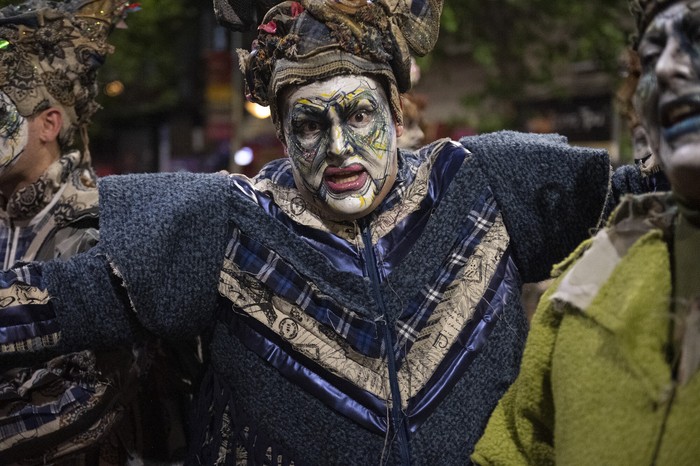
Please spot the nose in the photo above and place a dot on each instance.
(339, 145)
(673, 63)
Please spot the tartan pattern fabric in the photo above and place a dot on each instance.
(361, 333)
(479, 222)
(27, 319)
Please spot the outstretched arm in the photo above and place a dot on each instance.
(155, 271)
(552, 194)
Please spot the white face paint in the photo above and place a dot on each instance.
(14, 132)
(669, 95)
(341, 140)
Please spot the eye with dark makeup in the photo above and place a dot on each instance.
(306, 128)
(650, 49)
(690, 27)
(361, 117)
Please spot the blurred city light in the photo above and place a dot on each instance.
(258, 111)
(114, 88)
(243, 157)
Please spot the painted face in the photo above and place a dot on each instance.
(341, 140)
(669, 94)
(14, 132)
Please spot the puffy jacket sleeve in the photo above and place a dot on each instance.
(552, 194)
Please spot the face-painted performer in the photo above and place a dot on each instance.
(669, 91)
(342, 144)
(360, 303)
(610, 371)
(646, 174)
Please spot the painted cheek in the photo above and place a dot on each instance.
(647, 96)
(14, 144)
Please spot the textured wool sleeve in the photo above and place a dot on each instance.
(155, 271)
(58, 306)
(552, 195)
(156, 268)
(520, 430)
(90, 303)
(626, 179)
(164, 236)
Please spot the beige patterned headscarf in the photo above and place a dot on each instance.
(310, 40)
(49, 55)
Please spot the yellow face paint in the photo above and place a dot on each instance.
(342, 144)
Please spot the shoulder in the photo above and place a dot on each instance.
(512, 139)
(641, 222)
(520, 146)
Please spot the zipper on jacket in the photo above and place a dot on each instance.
(398, 420)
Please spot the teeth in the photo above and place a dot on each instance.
(679, 113)
(345, 179)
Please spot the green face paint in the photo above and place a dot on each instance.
(342, 144)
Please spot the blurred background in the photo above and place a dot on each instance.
(173, 97)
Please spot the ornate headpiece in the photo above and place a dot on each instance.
(644, 11)
(309, 40)
(50, 52)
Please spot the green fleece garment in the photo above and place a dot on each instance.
(595, 386)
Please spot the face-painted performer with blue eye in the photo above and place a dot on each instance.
(611, 371)
(358, 303)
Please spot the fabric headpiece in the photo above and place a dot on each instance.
(644, 11)
(311, 40)
(49, 55)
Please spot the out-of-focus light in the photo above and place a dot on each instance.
(243, 156)
(114, 88)
(258, 111)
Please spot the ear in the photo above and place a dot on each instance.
(51, 122)
(399, 130)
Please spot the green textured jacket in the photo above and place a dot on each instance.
(596, 385)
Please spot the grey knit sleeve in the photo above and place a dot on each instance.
(164, 237)
(552, 195)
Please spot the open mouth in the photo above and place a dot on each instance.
(339, 180)
(680, 117)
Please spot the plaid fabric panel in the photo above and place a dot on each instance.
(413, 318)
(284, 281)
(362, 334)
(32, 417)
(27, 318)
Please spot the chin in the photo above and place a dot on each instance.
(682, 166)
(345, 214)
(682, 158)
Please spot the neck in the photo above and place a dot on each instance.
(27, 169)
